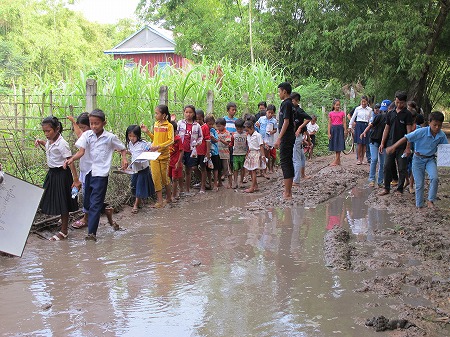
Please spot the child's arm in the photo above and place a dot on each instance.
(329, 127)
(386, 130)
(180, 158)
(345, 125)
(76, 180)
(39, 142)
(76, 128)
(123, 153)
(76, 156)
(363, 135)
(392, 148)
(147, 131)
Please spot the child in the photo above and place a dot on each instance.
(359, 121)
(176, 164)
(255, 158)
(141, 182)
(191, 136)
(337, 128)
(58, 182)
(312, 127)
(215, 159)
(162, 138)
(268, 127)
(79, 126)
(224, 150)
(203, 150)
(100, 145)
(239, 145)
(426, 141)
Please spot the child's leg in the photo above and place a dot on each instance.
(202, 178)
(188, 178)
(137, 202)
(242, 176)
(338, 158)
(254, 180)
(418, 169)
(235, 177)
(168, 193)
(65, 223)
(98, 186)
(432, 171)
(216, 179)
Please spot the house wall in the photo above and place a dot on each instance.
(153, 59)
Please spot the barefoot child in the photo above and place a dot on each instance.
(239, 144)
(162, 138)
(268, 127)
(224, 150)
(176, 164)
(57, 199)
(141, 181)
(337, 129)
(312, 127)
(426, 141)
(255, 159)
(215, 159)
(204, 149)
(100, 145)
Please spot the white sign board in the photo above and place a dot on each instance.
(19, 201)
(443, 155)
(148, 155)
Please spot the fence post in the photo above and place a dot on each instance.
(23, 117)
(245, 101)
(91, 94)
(43, 105)
(210, 102)
(50, 97)
(164, 95)
(269, 98)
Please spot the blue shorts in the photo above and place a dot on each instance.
(188, 161)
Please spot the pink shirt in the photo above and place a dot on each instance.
(337, 117)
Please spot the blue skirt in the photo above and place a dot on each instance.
(359, 129)
(142, 184)
(337, 142)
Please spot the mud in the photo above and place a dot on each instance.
(229, 263)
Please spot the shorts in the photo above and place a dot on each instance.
(273, 153)
(216, 162)
(201, 162)
(225, 165)
(238, 162)
(188, 161)
(175, 173)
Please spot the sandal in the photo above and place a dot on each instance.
(79, 224)
(59, 237)
(134, 210)
(158, 205)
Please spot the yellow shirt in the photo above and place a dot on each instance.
(162, 136)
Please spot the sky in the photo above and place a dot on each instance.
(106, 11)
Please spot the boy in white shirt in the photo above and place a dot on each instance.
(100, 144)
(312, 127)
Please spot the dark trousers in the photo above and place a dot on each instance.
(286, 158)
(95, 193)
(390, 168)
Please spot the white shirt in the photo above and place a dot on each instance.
(312, 127)
(136, 149)
(100, 150)
(57, 152)
(254, 141)
(361, 115)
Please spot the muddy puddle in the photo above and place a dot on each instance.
(212, 270)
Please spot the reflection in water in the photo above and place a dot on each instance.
(261, 274)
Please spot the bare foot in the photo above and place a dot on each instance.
(430, 204)
(334, 164)
(249, 190)
(306, 177)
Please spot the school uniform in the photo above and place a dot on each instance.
(58, 182)
(362, 117)
(100, 149)
(141, 181)
(424, 160)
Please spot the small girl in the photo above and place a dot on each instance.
(176, 164)
(337, 128)
(141, 182)
(255, 159)
(312, 127)
(214, 151)
(58, 183)
(162, 138)
(191, 136)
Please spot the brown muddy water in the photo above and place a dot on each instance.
(212, 270)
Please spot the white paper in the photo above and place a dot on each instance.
(19, 201)
(443, 155)
(148, 155)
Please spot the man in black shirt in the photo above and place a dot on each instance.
(286, 137)
(398, 123)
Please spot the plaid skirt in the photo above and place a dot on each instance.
(57, 197)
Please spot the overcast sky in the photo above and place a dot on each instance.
(106, 11)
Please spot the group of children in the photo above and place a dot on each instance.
(399, 142)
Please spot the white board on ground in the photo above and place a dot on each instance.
(19, 201)
(443, 155)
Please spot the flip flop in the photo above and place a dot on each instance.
(134, 210)
(79, 224)
(59, 237)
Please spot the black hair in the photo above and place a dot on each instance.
(296, 95)
(272, 107)
(190, 106)
(413, 113)
(210, 118)
(401, 95)
(313, 117)
(286, 86)
(436, 116)
(249, 124)
(83, 119)
(413, 105)
(163, 109)
(419, 119)
(231, 105)
(221, 121)
(250, 117)
(54, 123)
(174, 124)
(262, 103)
(199, 112)
(239, 123)
(136, 129)
(98, 113)
(334, 102)
(365, 97)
